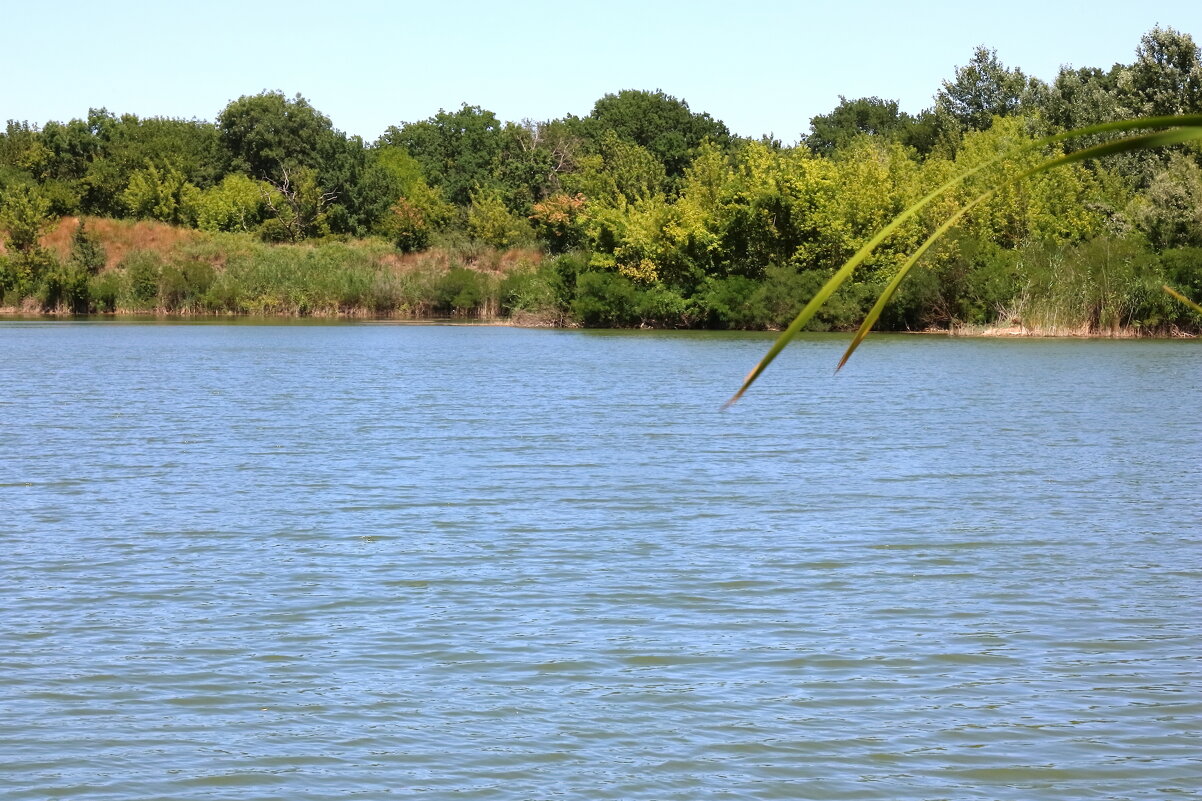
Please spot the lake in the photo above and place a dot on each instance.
(325, 561)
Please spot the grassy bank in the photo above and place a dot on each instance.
(128, 267)
(1105, 287)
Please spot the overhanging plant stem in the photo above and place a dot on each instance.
(1181, 129)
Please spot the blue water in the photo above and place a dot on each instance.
(377, 561)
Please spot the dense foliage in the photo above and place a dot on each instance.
(646, 212)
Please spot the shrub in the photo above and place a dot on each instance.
(461, 291)
(533, 290)
(492, 223)
(8, 279)
(183, 285)
(733, 302)
(661, 307)
(142, 269)
(604, 300)
(104, 290)
(236, 204)
(977, 280)
(786, 290)
(65, 288)
(1183, 270)
(86, 251)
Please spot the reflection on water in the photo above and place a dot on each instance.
(307, 562)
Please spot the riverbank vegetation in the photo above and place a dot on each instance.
(643, 212)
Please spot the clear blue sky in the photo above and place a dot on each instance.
(367, 64)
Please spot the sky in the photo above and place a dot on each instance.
(763, 68)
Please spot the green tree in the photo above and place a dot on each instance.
(525, 167)
(272, 138)
(1082, 97)
(1067, 205)
(87, 254)
(851, 118)
(22, 149)
(299, 208)
(660, 123)
(238, 203)
(490, 221)
(268, 134)
(408, 225)
(1169, 211)
(364, 194)
(620, 172)
(420, 210)
(562, 144)
(405, 169)
(361, 190)
(126, 143)
(24, 217)
(983, 89)
(72, 146)
(162, 194)
(1166, 77)
(875, 117)
(457, 150)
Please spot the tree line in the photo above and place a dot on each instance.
(648, 212)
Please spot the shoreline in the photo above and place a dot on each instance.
(10, 314)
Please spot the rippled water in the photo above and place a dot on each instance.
(369, 561)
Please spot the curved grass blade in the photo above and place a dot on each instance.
(1141, 142)
(844, 272)
(1182, 298)
(886, 295)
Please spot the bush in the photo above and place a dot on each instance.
(972, 282)
(104, 290)
(492, 223)
(87, 253)
(8, 278)
(65, 288)
(786, 290)
(142, 269)
(605, 300)
(1183, 270)
(461, 292)
(733, 302)
(913, 306)
(183, 285)
(661, 307)
(236, 204)
(532, 290)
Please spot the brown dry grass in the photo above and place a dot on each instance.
(1051, 331)
(440, 260)
(119, 237)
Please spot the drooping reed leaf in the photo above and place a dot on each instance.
(1182, 129)
(1141, 142)
(1182, 298)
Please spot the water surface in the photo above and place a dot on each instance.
(370, 561)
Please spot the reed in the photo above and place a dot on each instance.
(1161, 132)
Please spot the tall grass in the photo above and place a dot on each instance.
(160, 269)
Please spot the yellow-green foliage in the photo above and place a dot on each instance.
(866, 185)
(1169, 212)
(236, 204)
(621, 172)
(1056, 205)
(491, 222)
(162, 194)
